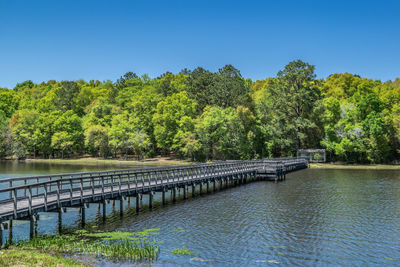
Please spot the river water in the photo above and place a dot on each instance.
(314, 218)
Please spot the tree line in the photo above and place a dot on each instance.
(204, 115)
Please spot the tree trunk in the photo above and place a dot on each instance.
(298, 139)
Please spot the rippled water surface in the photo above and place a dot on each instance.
(315, 217)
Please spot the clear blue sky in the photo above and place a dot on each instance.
(68, 40)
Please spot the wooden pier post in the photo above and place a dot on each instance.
(174, 194)
(32, 226)
(59, 221)
(163, 196)
(83, 216)
(214, 185)
(1, 233)
(121, 206)
(201, 187)
(104, 210)
(35, 223)
(185, 191)
(137, 203)
(208, 186)
(193, 189)
(10, 231)
(151, 200)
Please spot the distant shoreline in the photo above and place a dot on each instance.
(166, 161)
(354, 166)
(162, 161)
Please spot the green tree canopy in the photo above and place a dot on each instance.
(168, 115)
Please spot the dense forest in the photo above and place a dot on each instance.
(204, 115)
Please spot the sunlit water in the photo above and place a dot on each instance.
(315, 217)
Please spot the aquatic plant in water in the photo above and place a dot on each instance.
(182, 251)
(178, 230)
(113, 245)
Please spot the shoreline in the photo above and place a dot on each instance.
(167, 161)
(161, 161)
(15, 256)
(338, 166)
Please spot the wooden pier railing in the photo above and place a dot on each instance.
(24, 197)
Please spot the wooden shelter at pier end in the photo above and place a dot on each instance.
(312, 155)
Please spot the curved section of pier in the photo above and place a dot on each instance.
(26, 196)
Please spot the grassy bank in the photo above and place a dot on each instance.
(130, 247)
(354, 166)
(29, 257)
(161, 161)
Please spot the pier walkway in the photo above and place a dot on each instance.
(24, 197)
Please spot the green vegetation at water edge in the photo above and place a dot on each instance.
(129, 246)
(33, 258)
(203, 115)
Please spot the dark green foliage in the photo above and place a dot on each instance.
(199, 86)
(24, 85)
(125, 80)
(65, 95)
(229, 89)
(225, 88)
(286, 109)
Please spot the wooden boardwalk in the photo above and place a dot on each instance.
(26, 196)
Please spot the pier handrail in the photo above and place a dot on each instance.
(112, 181)
(90, 175)
(66, 176)
(66, 179)
(60, 189)
(80, 174)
